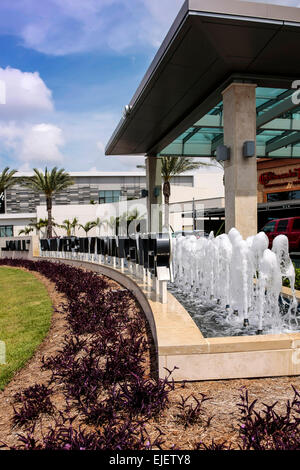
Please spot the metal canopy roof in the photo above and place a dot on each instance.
(278, 129)
(203, 52)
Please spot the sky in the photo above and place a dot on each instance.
(69, 68)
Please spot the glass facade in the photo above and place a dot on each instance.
(283, 196)
(6, 231)
(109, 196)
(278, 129)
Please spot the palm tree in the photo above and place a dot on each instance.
(41, 223)
(70, 226)
(38, 225)
(173, 166)
(88, 226)
(7, 180)
(134, 215)
(99, 223)
(26, 231)
(49, 183)
(112, 222)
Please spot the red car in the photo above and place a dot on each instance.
(289, 227)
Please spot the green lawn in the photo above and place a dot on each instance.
(25, 316)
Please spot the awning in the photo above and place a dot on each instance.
(203, 52)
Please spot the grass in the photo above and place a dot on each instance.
(25, 316)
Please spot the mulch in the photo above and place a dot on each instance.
(221, 406)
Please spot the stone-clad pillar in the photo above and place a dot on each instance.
(239, 101)
(154, 187)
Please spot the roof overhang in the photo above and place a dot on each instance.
(206, 48)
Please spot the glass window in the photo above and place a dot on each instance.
(6, 231)
(282, 226)
(109, 196)
(283, 196)
(296, 224)
(270, 227)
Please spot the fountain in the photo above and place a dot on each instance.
(232, 286)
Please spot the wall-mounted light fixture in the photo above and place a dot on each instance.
(223, 153)
(249, 149)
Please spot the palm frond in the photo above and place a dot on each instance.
(7, 179)
(173, 166)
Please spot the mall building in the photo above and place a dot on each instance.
(197, 200)
(97, 194)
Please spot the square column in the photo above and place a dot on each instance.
(154, 199)
(239, 102)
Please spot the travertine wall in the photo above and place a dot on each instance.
(239, 102)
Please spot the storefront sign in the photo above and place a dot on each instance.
(265, 178)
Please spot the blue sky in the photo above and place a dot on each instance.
(70, 66)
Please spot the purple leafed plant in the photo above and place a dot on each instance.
(269, 429)
(191, 410)
(127, 435)
(146, 396)
(100, 368)
(213, 446)
(34, 402)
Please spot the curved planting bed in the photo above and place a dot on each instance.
(96, 392)
(102, 370)
(25, 315)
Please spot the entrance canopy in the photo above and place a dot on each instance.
(278, 129)
(177, 109)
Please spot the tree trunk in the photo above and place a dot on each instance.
(49, 210)
(167, 193)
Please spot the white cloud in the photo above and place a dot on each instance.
(59, 27)
(42, 144)
(26, 93)
(86, 135)
(100, 146)
(22, 136)
(10, 135)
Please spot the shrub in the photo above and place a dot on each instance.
(145, 396)
(34, 401)
(267, 429)
(191, 413)
(286, 282)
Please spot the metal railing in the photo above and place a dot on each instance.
(146, 257)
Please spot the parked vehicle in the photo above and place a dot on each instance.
(289, 227)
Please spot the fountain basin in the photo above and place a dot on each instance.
(200, 358)
(214, 320)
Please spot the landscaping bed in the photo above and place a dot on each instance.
(92, 383)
